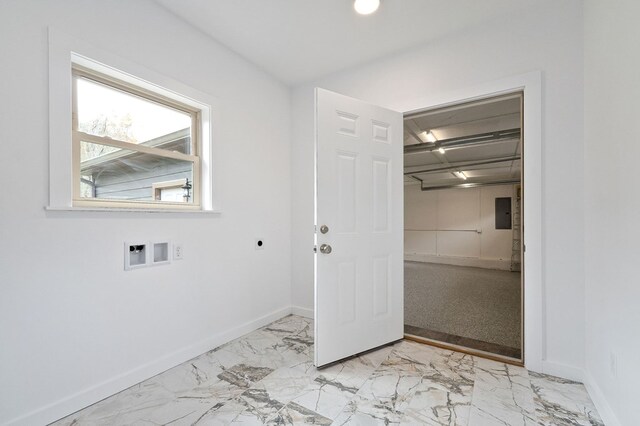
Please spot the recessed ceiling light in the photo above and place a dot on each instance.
(366, 7)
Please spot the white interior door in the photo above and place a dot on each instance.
(359, 199)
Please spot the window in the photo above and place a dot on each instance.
(132, 148)
(85, 148)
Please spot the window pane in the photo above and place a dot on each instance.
(171, 193)
(119, 174)
(108, 112)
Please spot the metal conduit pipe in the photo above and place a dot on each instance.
(465, 141)
(464, 164)
(470, 184)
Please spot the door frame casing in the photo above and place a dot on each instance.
(530, 84)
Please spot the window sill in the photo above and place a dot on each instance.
(131, 210)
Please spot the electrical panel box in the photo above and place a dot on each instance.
(503, 213)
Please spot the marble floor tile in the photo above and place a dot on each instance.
(435, 406)
(290, 325)
(376, 357)
(334, 386)
(363, 411)
(325, 396)
(260, 348)
(117, 409)
(351, 373)
(243, 375)
(388, 392)
(287, 383)
(268, 377)
(294, 414)
(234, 412)
(261, 404)
(445, 393)
(502, 395)
(180, 395)
(418, 356)
(296, 334)
(561, 401)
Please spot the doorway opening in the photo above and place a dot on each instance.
(463, 186)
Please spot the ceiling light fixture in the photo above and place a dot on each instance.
(366, 7)
(461, 175)
(441, 150)
(428, 136)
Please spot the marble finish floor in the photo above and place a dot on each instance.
(268, 377)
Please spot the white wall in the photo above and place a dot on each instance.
(71, 320)
(546, 39)
(612, 205)
(456, 226)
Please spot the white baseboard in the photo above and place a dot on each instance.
(604, 409)
(476, 262)
(91, 395)
(303, 312)
(562, 370)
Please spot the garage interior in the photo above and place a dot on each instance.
(463, 203)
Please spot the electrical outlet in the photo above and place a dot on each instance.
(178, 252)
(259, 244)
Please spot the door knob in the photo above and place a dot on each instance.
(324, 229)
(325, 249)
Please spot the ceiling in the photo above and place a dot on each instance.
(301, 40)
(480, 139)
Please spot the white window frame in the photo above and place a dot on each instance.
(67, 52)
(78, 137)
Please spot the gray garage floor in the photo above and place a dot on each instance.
(474, 304)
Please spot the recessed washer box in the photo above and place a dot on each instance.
(143, 254)
(136, 255)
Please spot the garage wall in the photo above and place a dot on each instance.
(456, 226)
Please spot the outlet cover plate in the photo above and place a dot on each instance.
(178, 252)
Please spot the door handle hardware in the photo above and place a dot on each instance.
(324, 229)
(325, 249)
